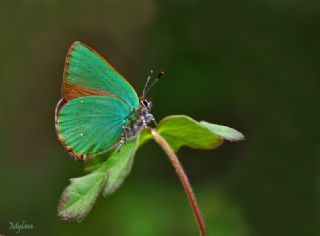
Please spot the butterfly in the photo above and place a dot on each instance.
(99, 109)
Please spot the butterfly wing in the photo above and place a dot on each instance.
(91, 124)
(87, 73)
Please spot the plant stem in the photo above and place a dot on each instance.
(183, 178)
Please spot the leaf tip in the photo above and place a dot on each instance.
(225, 132)
(72, 205)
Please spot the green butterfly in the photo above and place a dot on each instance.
(99, 109)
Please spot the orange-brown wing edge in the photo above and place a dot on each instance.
(76, 156)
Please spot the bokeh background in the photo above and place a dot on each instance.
(251, 65)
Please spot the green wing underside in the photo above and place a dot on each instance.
(91, 124)
(86, 68)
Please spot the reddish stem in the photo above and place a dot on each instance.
(184, 180)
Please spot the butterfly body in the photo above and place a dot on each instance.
(139, 119)
(99, 109)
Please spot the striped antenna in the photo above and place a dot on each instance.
(146, 85)
(147, 89)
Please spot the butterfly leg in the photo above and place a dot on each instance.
(126, 132)
(144, 123)
(124, 138)
(120, 143)
(154, 121)
(148, 118)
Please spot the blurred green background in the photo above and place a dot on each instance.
(251, 65)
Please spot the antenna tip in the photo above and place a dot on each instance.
(160, 74)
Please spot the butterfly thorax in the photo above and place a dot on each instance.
(137, 120)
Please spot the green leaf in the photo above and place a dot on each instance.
(93, 163)
(181, 131)
(98, 161)
(117, 163)
(78, 198)
(224, 131)
(118, 166)
(108, 172)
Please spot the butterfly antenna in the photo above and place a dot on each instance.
(154, 82)
(146, 85)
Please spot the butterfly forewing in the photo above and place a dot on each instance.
(87, 73)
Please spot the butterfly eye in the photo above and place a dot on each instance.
(145, 103)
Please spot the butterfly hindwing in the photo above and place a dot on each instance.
(87, 73)
(91, 124)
